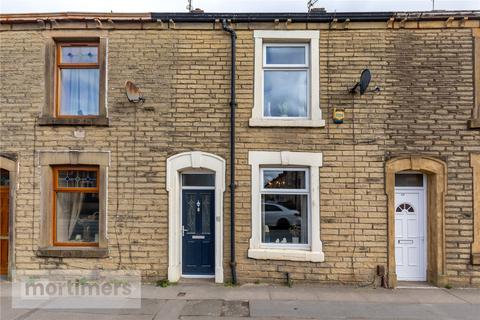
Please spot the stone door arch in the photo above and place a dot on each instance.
(175, 165)
(436, 172)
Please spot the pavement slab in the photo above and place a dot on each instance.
(286, 293)
(170, 310)
(467, 295)
(235, 309)
(426, 296)
(202, 308)
(7, 312)
(247, 292)
(361, 310)
(67, 315)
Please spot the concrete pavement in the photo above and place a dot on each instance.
(208, 301)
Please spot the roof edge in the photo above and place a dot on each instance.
(209, 17)
(72, 16)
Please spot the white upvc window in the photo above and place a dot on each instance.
(285, 206)
(285, 199)
(287, 79)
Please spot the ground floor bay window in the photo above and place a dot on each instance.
(285, 206)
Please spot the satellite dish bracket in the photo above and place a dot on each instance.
(365, 78)
(353, 89)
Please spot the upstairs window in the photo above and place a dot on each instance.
(78, 80)
(474, 123)
(286, 78)
(75, 81)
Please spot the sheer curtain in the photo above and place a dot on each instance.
(79, 92)
(69, 206)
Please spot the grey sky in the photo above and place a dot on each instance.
(19, 6)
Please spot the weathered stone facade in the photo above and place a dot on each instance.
(425, 74)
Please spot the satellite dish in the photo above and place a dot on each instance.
(133, 93)
(365, 78)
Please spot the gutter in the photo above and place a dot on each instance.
(312, 16)
(233, 105)
(269, 17)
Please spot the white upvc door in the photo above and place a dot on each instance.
(410, 233)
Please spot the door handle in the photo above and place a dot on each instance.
(183, 231)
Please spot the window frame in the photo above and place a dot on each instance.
(287, 67)
(475, 250)
(48, 159)
(284, 168)
(285, 160)
(49, 115)
(474, 122)
(59, 65)
(306, 191)
(286, 38)
(56, 189)
(203, 187)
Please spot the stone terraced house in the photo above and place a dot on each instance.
(249, 153)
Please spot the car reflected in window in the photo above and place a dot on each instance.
(279, 216)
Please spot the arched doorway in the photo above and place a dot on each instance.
(436, 176)
(208, 167)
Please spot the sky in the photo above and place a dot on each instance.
(22, 6)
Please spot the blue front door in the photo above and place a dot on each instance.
(198, 216)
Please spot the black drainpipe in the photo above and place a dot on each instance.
(233, 105)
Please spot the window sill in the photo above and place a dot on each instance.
(286, 254)
(73, 252)
(474, 123)
(51, 121)
(305, 123)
